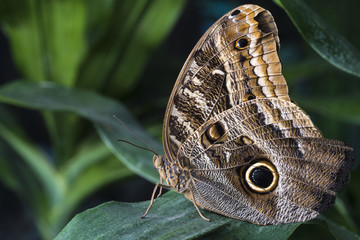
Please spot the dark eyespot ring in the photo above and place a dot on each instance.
(261, 177)
(242, 43)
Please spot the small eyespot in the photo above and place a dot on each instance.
(214, 132)
(242, 43)
(261, 177)
(249, 97)
(246, 140)
(234, 13)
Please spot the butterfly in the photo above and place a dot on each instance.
(234, 142)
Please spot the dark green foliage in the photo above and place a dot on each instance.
(63, 47)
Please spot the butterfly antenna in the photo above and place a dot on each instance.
(135, 135)
(148, 149)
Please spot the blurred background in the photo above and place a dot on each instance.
(132, 51)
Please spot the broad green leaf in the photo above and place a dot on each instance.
(47, 37)
(99, 16)
(27, 170)
(172, 216)
(339, 232)
(36, 160)
(153, 27)
(94, 177)
(18, 176)
(9, 159)
(82, 174)
(322, 38)
(117, 220)
(135, 28)
(90, 152)
(90, 168)
(100, 110)
(109, 46)
(19, 20)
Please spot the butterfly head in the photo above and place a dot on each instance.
(158, 161)
(159, 165)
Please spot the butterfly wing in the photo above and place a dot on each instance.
(268, 165)
(235, 60)
(251, 154)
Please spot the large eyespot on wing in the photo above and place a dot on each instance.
(236, 60)
(272, 165)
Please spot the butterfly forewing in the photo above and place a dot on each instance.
(234, 61)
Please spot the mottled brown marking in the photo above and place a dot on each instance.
(241, 87)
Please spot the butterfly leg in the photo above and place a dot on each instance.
(153, 196)
(197, 208)
(160, 190)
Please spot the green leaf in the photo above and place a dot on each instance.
(36, 160)
(27, 170)
(134, 29)
(100, 110)
(8, 156)
(47, 37)
(322, 38)
(172, 216)
(118, 220)
(343, 108)
(19, 22)
(108, 46)
(339, 232)
(89, 152)
(90, 179)
(82, 174)
(151, 30)
(90, 168)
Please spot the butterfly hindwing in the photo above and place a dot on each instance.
(278, 134)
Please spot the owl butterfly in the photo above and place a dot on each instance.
(234, 142)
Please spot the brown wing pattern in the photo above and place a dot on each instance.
(235, 60)
(234, 142)
(309, 169)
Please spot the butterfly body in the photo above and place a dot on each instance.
(234, 142)
(175, 176)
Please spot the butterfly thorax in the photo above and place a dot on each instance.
(174, 176)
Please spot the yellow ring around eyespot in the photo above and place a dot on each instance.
(268, 166)
(213, 133)
(242, 38)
